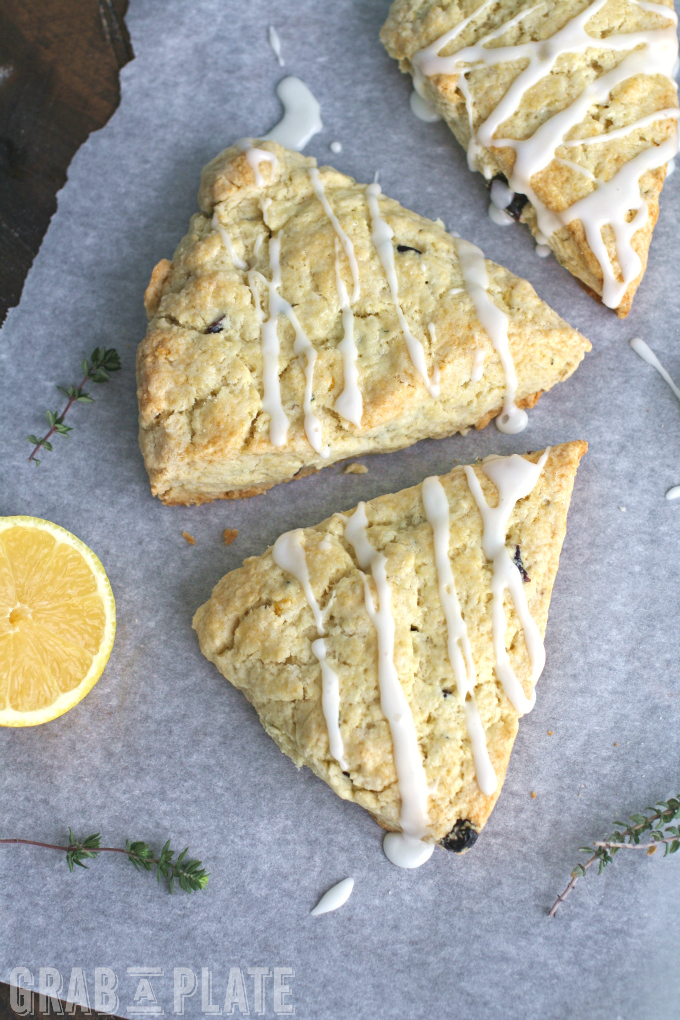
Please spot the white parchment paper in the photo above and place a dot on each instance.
(163, 746)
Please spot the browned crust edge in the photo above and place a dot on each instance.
(257, 490)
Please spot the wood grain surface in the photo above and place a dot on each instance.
(59, 80)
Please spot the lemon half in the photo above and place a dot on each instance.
(57, 621)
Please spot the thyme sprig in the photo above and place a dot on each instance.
(98, 369)
(657, 822)
(190, 874)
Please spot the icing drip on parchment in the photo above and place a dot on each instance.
(405, 849)
(514, 478)
(382, 235)
(436, 507)
(275, 44)
(301, 115)
(648, 355)
(652, 51)
(495, 324)
(303, 349)
(335, 897)
(289, 554)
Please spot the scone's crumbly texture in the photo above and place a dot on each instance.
(203, 431)
(258, 628)
(415, 24)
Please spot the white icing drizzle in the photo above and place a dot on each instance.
(264, 206)
(499, 216)
(275, 44)
(258, 244)
(406, 846)
(670, 167)
(335, 897)
(382, 235)
(226, 241)
(514, 478)
(495, 324)
(301, 115)
(289, 554)
(582, 170)
(673, 493)
(653, 51)
(257, 156)
(346, 243)
(423, 108)
(420, 104)
(501, 197)
(271, 399)
(501, 194)
(607, 136)
(436, 507)
(335, 147)
(477, 365)
(542, 250)
(349, 403)
(303, 349)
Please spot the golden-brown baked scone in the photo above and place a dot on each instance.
(291, 331)
(571, 101)
(263, 624)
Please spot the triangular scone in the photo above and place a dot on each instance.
(306, 319)
(305, 619)
(584, 129)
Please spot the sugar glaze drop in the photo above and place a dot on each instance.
(301, 115)
(275, 44)
(336, 897)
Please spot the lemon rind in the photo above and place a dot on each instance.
(69, 699)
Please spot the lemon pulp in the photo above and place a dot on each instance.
(57, 620)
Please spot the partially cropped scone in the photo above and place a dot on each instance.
(570, 101)
(306, 319)
(392, 649)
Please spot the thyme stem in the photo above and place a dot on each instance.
(98, 370)
(59, 421)
(190, 874)
(657, 822)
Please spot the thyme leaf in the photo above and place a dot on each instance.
(98, 369)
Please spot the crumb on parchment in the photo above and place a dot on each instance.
(189, 538)
(533, 795)
(229, 534)
(356, 469)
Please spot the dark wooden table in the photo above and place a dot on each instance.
(59, 80)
